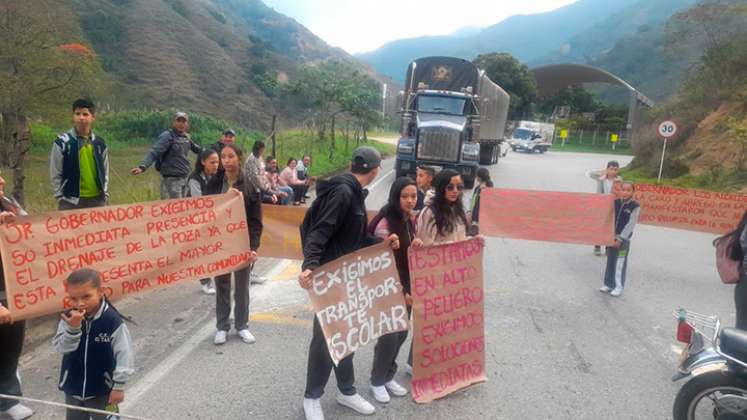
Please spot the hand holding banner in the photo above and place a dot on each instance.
(358, 298)
(135, 247)
(448, 318)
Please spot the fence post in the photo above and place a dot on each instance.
(594, 139)
(274, 117)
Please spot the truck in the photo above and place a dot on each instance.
(453, 116)
(531, 136)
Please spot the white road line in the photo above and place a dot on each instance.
(380, 180)
(141, 387)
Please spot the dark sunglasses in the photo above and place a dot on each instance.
(452, 187)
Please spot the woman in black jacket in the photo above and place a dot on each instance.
(232, 177)
(11, 333)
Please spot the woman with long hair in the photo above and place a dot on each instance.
(233, 178)
(737, 243)
(444, 219)
(206, 168)
(396, 217)
(483, 181)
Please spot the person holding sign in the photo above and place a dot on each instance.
(605, 179)
(444, 219)
(335, 225)
(97, 351)
(396, 217)
(11, 333)
(627, 211)
(79, 162)
(233, 178)
(206, 168)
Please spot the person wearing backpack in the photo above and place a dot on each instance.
(731, 262)
(336, 225)
(170, 154)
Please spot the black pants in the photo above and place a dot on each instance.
(11, 343)
(740, 301)
(385, 356)
(83, 203)
(320, 365)
(98, 403)
(240, 300)
(298, 192)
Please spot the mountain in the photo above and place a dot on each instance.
(527, 37)
(219, 57)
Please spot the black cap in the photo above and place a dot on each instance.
(229, 132)
(366, 157)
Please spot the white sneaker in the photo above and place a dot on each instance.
(208, 289)
(395, 389)
(257, 279)
(220, 337)
(357, 403)
(617, 292)
(19, 412)
(605, 289)
(380, 394)
(246, 336)
(312, 408)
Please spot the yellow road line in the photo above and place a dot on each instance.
(279, 319)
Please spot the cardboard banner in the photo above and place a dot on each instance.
(357, 299)
(281, 235)
(448, 318)
(696, 210)
(575, 218)
(136, 248)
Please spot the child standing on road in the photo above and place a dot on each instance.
(605, 185)
(95, 343)
(627, 211)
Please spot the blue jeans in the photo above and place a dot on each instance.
(289, 198)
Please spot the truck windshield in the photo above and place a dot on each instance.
(522, 134)
(441, 105)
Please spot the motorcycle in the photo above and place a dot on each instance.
(715, 360)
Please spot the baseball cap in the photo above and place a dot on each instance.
(180, 114)
(366, 157)
(229, 132)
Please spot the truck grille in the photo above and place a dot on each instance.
(438, 144)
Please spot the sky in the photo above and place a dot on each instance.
(364, 25)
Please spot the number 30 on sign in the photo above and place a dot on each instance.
(667, 129)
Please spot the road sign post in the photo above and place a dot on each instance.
(666, 130)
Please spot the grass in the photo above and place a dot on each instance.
(715, 180)
(125, 188)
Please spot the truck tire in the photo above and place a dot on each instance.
(486, 154)
(542, 149)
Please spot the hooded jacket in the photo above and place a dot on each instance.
(335, 224)
(626, 217)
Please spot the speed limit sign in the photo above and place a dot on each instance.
(667, 129)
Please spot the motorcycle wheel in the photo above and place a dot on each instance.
(696, 399)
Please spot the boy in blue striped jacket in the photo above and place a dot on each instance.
(95, 343)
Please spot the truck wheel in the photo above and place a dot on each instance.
(542, 150)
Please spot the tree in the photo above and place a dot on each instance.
(514, 77)
(334, 88)
(39, 72)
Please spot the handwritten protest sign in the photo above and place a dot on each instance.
(448, 319)
(684, 208)
(358, 298)
(136, 248)
(565, 217)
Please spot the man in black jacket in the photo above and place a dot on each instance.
(334, 226)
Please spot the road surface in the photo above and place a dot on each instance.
(556, 347)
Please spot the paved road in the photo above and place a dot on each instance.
(557, 348)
